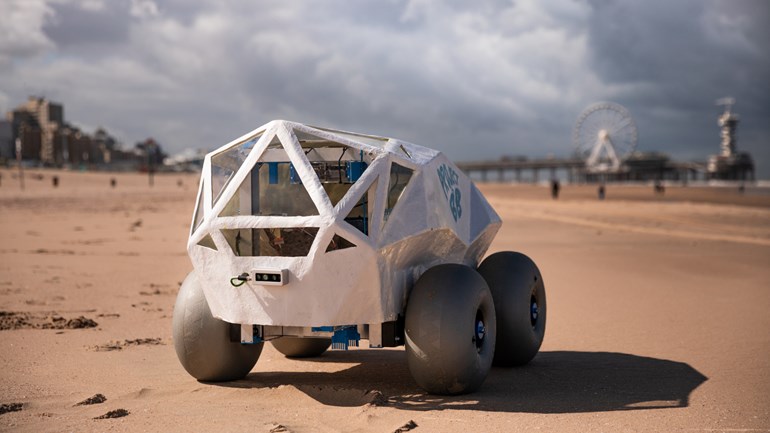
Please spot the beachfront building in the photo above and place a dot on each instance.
(7, 150)
(48, 140)
(49, 117)
(39, 124)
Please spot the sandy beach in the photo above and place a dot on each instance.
(659, 319)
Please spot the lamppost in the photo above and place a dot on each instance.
(18, 159)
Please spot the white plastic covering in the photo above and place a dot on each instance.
(439, 217)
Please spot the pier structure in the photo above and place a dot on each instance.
(639, 167)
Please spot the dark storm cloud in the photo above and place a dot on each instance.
(676, 59)
(499, 77)
(681, 47)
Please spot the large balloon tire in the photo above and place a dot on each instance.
(203, 343)
(448, 352)
(519, 294)
(293, 347)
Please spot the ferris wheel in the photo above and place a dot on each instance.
(604, 135)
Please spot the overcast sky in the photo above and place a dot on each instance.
(477, 82)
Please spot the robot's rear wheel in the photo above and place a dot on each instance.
(519, 294)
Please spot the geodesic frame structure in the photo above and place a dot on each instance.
(328, 228)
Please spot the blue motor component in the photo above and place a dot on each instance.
(322, 329)
(345, 337)
(355, 169)
(293, 175)
(272, 168)
(248, 336)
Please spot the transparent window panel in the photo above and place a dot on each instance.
(336, 164)
(224, 165)
(336, 191)
(208, 242)
(271, 189)
(399, 179)
(198, 217)
(276, 242)
(339, 243)
(360, 216)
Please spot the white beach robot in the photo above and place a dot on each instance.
(310, 238)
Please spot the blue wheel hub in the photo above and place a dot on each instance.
(534, 311)
(480, 332)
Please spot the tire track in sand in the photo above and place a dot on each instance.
(531, 212)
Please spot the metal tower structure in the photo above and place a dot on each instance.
(728, 121)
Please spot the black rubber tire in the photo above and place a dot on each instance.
(440, 329)
(294, 347)
(515, 282)
(203, 343)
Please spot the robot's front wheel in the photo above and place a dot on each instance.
(294, 347)
(202, 342)
(450, 330)
(519, 294)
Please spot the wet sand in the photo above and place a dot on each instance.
(658, 320)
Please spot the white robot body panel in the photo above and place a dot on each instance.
(302, 226)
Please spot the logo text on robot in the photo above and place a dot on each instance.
(450, 184)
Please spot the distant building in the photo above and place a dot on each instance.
(39, 124)
(49, 140)
(25, 127)
(78, 146)
(49, 117)
(7, 147)
(104, 145)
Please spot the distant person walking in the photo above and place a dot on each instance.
(555, 189)
(601, 191)
(659, 188)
